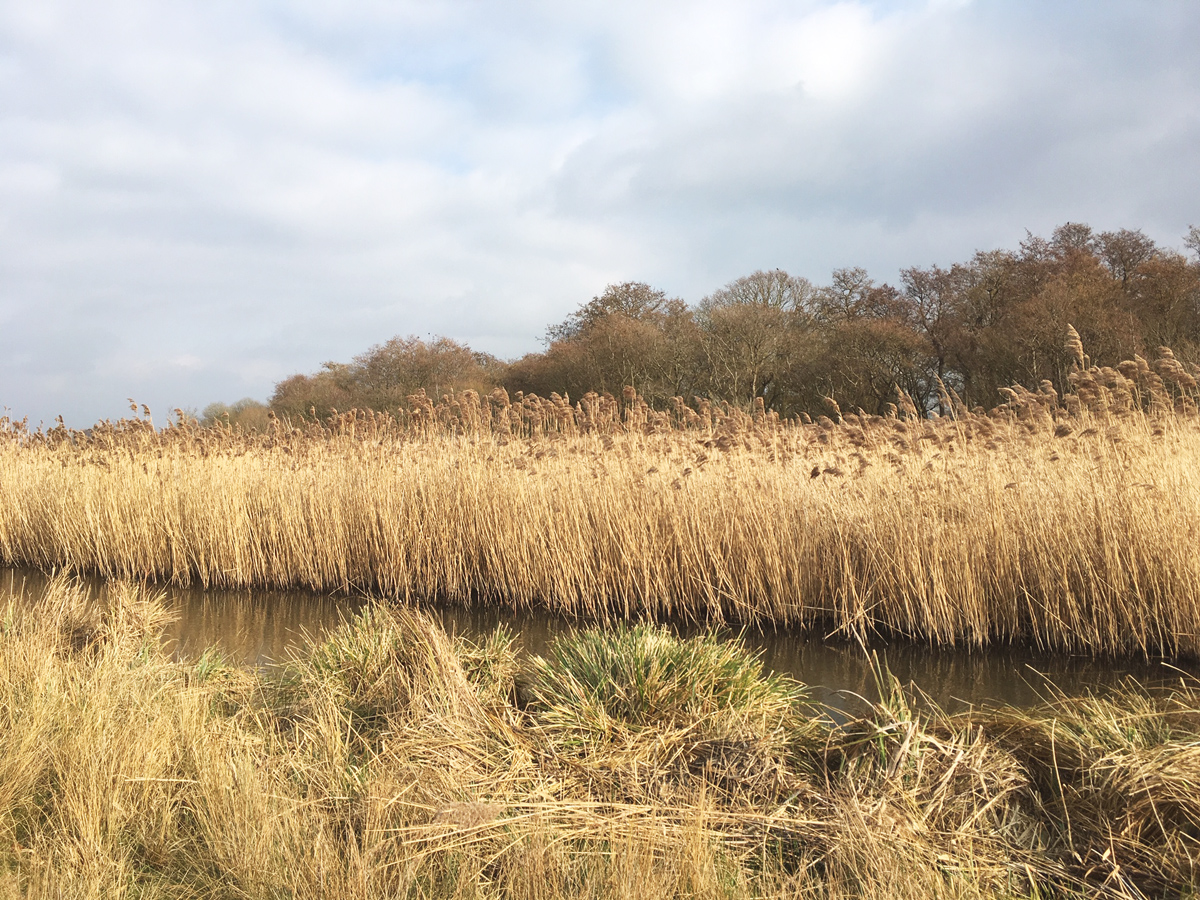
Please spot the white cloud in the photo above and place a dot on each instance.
(253, 188)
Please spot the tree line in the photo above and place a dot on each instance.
(995, 320)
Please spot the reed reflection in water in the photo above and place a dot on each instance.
(253, 628)
(261, 628)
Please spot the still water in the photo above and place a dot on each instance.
(262, 628)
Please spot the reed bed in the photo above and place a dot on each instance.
(391, 760)
(1068, 523)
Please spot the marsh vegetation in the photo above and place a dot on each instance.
(1064, 522)
(392, 760)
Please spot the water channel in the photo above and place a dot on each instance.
(262, 628)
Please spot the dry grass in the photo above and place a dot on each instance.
(1068, 523)
(393, 762)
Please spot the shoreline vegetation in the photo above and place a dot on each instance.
(1059, 522)
(390, 760)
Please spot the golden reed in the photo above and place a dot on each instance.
(1067, 522)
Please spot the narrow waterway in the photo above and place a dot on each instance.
(260, 628)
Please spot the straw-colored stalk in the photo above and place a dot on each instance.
(1037, 525)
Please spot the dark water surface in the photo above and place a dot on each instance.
(260, 628)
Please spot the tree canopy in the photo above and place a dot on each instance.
(976, 326)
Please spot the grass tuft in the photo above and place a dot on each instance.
(642, 677)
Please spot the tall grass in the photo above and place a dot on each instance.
(392, 761)
(1056, 522)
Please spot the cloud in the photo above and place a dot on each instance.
(257, 187)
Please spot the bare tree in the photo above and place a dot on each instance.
(937, 301)
(1125, 251)
(388, 373)
(775, 289)
(748, 328)
(383, 377)
(844, 298)
(1192, 241)
(1074, 236)
(247, 413)
(632, 299)
(631, 335)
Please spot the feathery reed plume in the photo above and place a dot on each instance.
(1053, 521)
(1074, 346)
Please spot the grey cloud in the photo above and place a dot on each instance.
(1021, 117)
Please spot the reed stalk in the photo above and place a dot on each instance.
(1066, 523)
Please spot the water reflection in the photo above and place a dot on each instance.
(253, 628)
(259, 628)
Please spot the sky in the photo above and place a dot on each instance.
(199, 198)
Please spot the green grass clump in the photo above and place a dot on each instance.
(647, 711)
(643, 677)
(492, 665)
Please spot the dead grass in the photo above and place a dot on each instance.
(1065, 523)
(393, 762)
